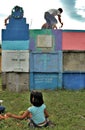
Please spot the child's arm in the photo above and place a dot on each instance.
(5, 21)
(3, 117)
(46, 113)
(25, 114)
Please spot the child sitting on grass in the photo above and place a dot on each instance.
(37, 113)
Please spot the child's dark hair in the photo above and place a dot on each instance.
(17, 8)
(36, 98)
(60, 9)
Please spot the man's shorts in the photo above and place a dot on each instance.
(50, 19)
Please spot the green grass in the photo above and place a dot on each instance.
(66, 109)
(0, 83)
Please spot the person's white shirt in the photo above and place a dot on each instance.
(54, 12)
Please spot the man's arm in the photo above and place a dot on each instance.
(59, 18)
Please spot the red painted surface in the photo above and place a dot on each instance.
(73, 40)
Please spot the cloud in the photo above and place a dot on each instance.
(2, 15)
(73, 11)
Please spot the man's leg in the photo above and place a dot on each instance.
(50, 19)
(47, 18)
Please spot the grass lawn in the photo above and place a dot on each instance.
(66, 109)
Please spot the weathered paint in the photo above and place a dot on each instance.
(15, 61)
(16, 82)
(45, 81)
(15, 45)
(15, 35)
(73, 40)
(46, 70)
(56, 41)
(73, 47)
(17, 24)
(74, 61)
(73, 80)
(46, 62)
(17, 29)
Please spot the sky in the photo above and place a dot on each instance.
(73, 16)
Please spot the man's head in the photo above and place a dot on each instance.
(60, 9)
